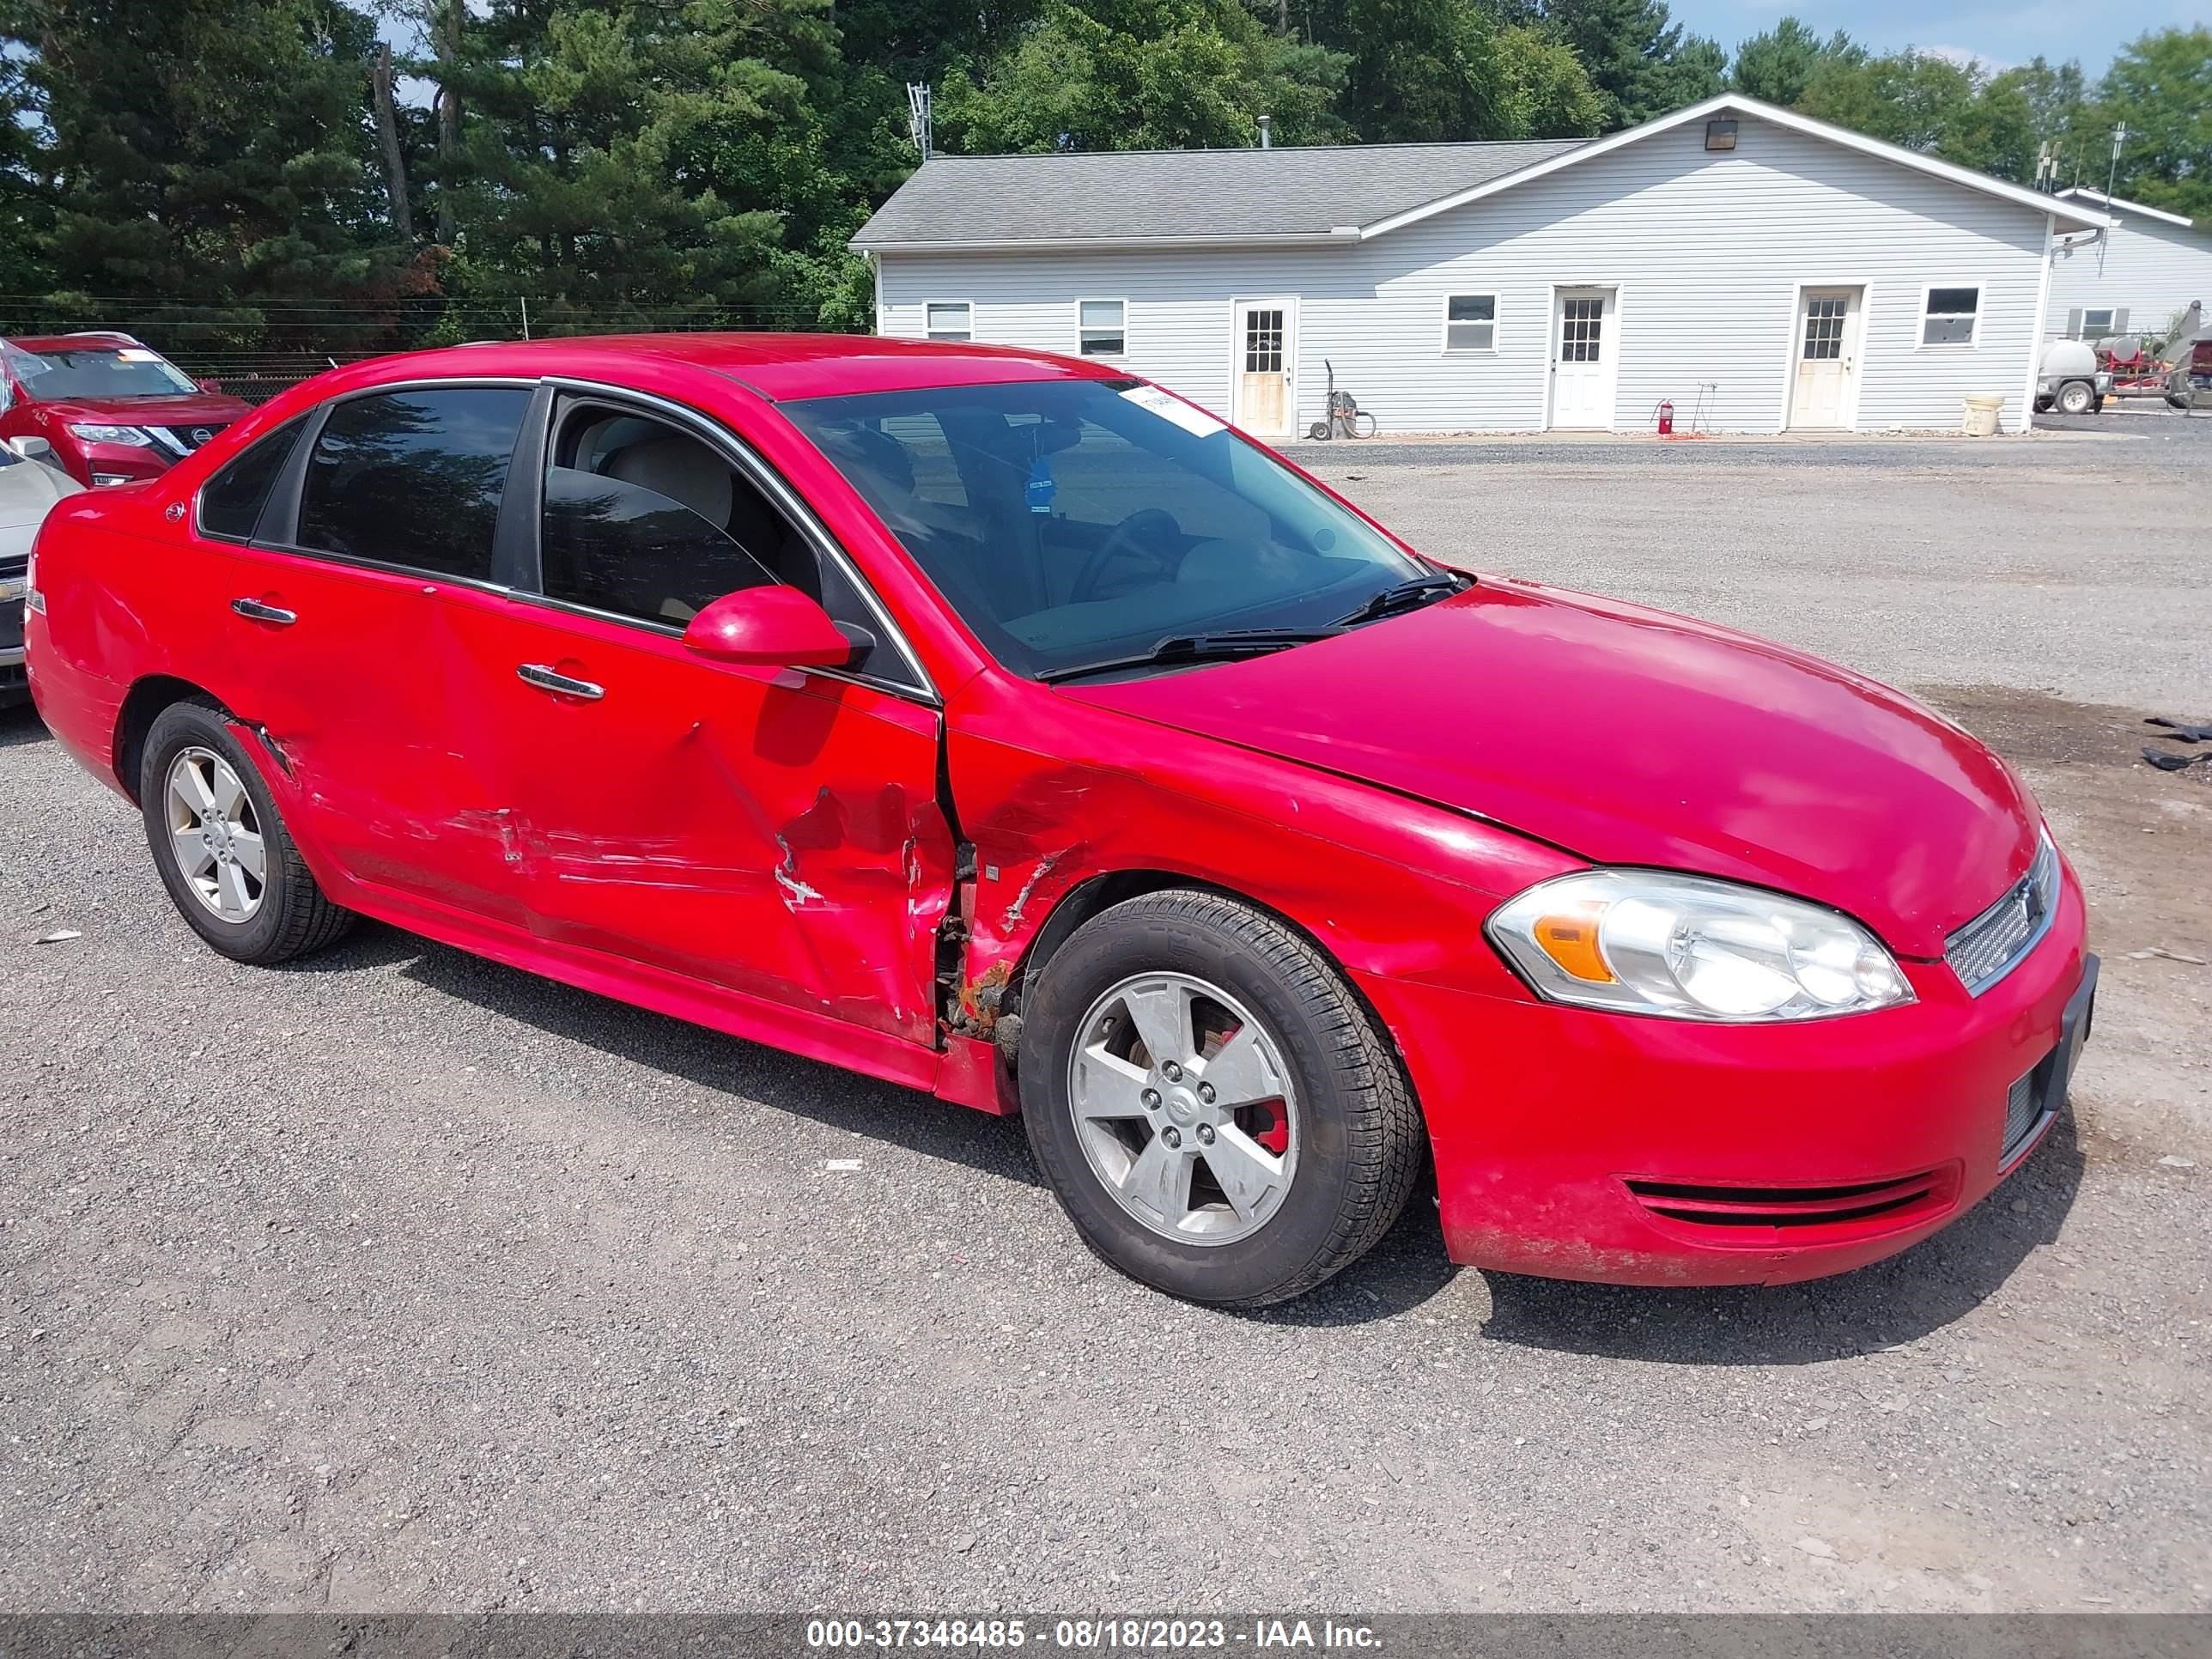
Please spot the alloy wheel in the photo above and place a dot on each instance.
(1184, 1107)
(215, 835)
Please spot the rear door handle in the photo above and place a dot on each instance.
(544, 677)
(254, 610)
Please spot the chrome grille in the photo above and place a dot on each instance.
(181, 441)
(1994, 942)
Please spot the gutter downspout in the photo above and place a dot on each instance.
(2035, 336)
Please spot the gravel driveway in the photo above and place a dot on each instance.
(401, 1280)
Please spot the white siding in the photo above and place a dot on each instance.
(2151, 270)
(1707, 250)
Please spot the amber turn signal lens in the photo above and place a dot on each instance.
(1569, 938)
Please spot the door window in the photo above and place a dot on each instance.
(646, 520)
(1263, 342)
(1824, 330)
(231, 502)
(413, 478)
(1580, 322)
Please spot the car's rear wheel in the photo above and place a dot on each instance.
(2074, 397)
(221, 845)
(1214, 1106)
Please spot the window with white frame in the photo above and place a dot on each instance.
(1471, 322)
(2097, 321)
(1950, 316)
(1101, 327)
(950, 319)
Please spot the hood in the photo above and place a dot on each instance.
(1628, 736)
(185, 409)
(29, 490)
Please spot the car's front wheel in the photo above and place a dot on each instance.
(229, 863)
(1214, 1105)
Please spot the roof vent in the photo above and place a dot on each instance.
(1267, 132)
(1719, 132)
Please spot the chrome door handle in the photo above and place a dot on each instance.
(254, 610)
(545, 679)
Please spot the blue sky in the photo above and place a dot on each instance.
(1992, 30)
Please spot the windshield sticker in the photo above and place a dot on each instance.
(1041, 488)
(137, 354)
(1196, 421)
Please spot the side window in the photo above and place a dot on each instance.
(413, 478)
(646, 520)
(231, 502)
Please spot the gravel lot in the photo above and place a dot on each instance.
(402, 1280)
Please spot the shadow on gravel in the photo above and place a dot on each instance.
(751, 1075)
(1893, 1302)
(20, 726)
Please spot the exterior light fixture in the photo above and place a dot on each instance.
(1719, 132)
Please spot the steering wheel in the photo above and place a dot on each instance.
(1149, 532)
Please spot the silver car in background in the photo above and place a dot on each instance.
(29, 487)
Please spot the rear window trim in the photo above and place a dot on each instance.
(310, 423)
(284, 495)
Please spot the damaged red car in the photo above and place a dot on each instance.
(1010, 728)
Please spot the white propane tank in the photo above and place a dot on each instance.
(2069, 360)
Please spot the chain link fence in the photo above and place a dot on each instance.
(256, 351)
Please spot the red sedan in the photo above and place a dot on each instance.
(1010, 728)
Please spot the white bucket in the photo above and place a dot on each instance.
(1982, 408)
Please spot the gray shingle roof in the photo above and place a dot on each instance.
(1214, 194)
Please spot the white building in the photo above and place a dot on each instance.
(2137, 275)
(1793, 274)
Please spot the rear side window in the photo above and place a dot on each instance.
(231, 502)
(413, 478)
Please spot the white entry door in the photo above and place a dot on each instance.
(1262, 398)
(1827, 357)
(1584, 358)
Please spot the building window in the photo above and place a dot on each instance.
(950, 319)
(1099, 327)
(1471, 322)
(2097, 322)
(1950, 316)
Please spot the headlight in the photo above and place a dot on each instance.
(93, 432)
(1687, 947)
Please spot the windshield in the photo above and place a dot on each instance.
(1071, 522)
(97, 371)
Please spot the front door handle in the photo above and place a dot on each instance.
(254, 610)
(546, 678)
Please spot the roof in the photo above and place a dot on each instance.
(84, 339)
(1292, 196)
(2111, 202)
(779, 367)
(1288, 194)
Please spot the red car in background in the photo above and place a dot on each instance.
(113, 410)
(1007, 728)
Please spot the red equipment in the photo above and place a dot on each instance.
(1666, 419)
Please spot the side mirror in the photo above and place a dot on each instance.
(779, 627)
(33, 449)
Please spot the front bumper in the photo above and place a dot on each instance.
(14, 686)
(1576, 1145)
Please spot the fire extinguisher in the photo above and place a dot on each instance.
(1666, 419)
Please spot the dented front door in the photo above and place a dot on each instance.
(773, 832)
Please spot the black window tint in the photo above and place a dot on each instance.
(413, 478)
(617, 544)
(231, 502)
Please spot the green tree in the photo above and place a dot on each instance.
(2161, 86)
(1548, 92)
(214, 151)
(618, 160)
(1427, 71)
(1639, 58)
(1778, 65)
(1142, 75)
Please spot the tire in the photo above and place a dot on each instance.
(289, 915)
(1344, 1131)
(2074, 397)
